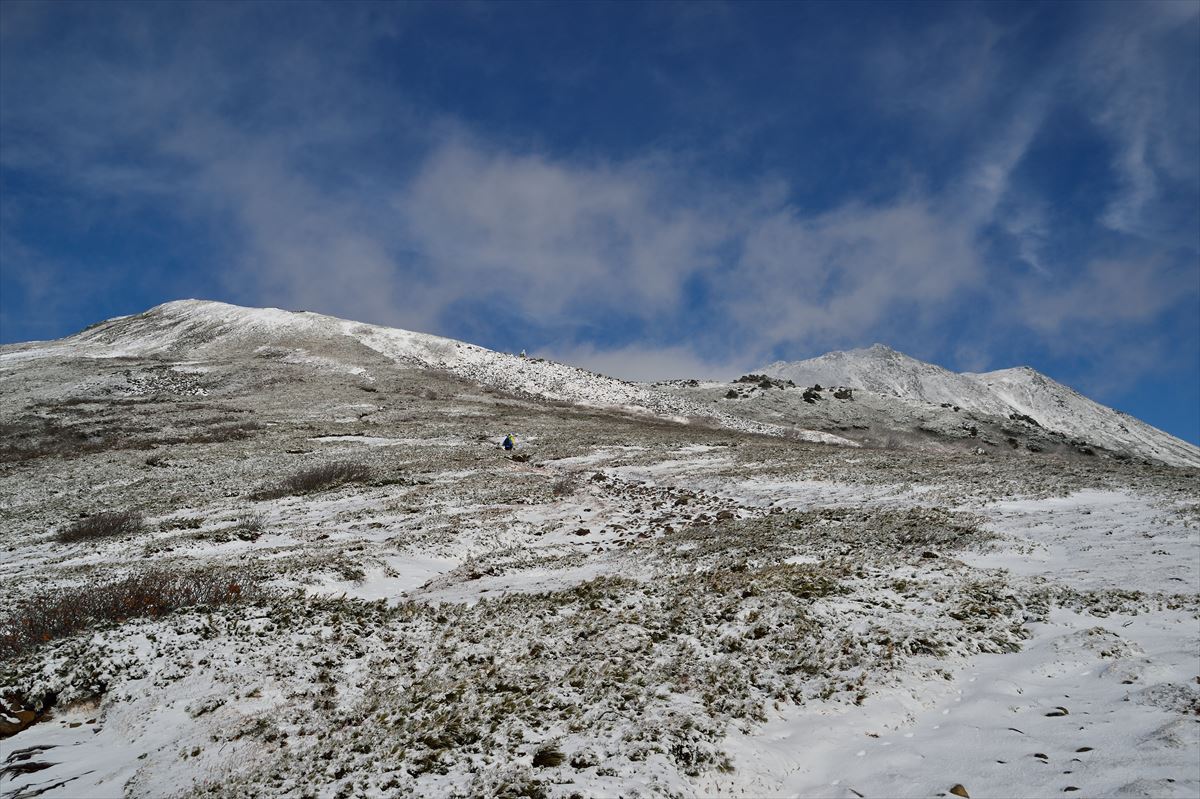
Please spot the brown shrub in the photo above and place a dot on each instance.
(316, 479)
(48, 615)
(102, 525)
(567, 485)
(236, 431)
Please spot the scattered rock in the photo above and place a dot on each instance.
(959, 790)
(765, 381)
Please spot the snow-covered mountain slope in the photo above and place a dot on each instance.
(881, 370)
(1061, 408)
(188, 331)
(272, 555)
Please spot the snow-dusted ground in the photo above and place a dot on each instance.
(1128, 680)
(631, 606)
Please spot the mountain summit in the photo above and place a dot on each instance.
(1018, 393)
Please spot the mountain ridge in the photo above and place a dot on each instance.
(1015, 392)
(193, 328)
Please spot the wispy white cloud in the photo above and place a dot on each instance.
(1128, 72)
(648, 362)
(804, 278)
(284, 160)
(1107, 295)
(550, 235)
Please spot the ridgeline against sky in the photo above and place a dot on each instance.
(649, 190)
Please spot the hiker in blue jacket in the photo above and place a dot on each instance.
(509, 441)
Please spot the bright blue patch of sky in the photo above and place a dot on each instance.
(660, 188)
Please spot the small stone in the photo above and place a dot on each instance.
(958, 790)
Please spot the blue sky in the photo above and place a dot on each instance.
(649, 189)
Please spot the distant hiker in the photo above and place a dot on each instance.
(522, 353)
(509, 441)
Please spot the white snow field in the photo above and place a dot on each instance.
(326, 579)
